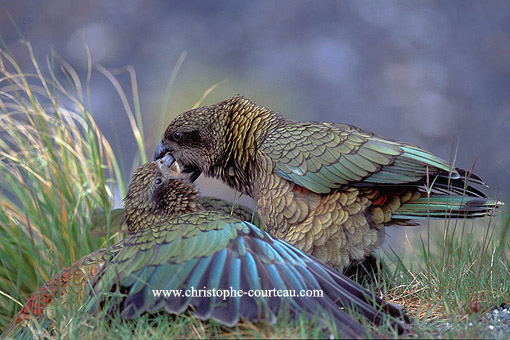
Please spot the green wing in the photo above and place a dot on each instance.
(323, 156)
(118, 223)
(238, 211)
(209, 251)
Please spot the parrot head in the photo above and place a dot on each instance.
(159, 190)
(206, 139)
(194, 138)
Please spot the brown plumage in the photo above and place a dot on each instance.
(174, 244)
(327, 188)
(71, 283)
(118, 217)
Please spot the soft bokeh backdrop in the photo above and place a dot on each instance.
(430, 73)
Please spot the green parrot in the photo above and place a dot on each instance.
(174, 244)
(327, 188)
(118, 221)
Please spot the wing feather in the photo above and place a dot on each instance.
(228, 255)
(344, 154)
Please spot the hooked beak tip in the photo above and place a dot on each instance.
(160, 151)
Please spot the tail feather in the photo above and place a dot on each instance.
(459, 182)
(442, 206)
(470, 176)
(444, 184)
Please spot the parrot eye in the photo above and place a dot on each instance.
(158, 181)
(176, 136)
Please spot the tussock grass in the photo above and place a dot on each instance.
(455, 273)
(185, 326)
(56, 169)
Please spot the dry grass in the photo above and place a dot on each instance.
(56, 169)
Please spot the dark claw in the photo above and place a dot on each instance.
(160, 152)
(168, 159)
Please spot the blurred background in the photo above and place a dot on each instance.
(430, 73)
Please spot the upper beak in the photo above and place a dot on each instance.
(163, 152)
(160, 151)
(169, 160)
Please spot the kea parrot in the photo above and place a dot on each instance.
(118, 220)
(328, 189)
(173, 243)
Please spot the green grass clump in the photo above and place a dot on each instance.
(77, 325)
(56, 169)
(456, 272)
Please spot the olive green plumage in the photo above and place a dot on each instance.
(327, 188)
(173, 243)
(118, 217)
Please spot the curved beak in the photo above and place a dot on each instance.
(160, 151)
(168, 159)
(163, 152)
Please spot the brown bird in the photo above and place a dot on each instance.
(327, 188)
(118, 216)
(174, 244)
